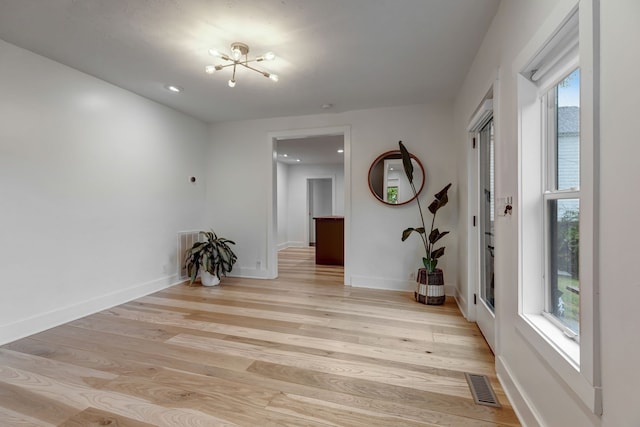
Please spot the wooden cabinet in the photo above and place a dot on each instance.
(329, 240)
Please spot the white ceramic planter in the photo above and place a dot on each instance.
(209, 279)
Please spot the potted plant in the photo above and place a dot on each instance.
(210, 258)
(430, 288)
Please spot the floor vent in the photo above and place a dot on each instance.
(481, 390)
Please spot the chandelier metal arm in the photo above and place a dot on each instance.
(264, 73)
(246, 61)
(220, 67)
(240, 61)
(243, 63)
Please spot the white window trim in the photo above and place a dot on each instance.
(576, 363)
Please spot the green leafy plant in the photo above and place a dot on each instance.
(428, 240)
(214, 255)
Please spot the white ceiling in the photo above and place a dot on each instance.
(353, 54)
(311, 150)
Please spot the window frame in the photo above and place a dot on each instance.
(577, 364)
(547, 311)
(550, 191)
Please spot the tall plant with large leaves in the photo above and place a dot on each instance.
(214, 255)
(430, 261)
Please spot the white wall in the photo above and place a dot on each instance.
(619, 250)
(320, 194)
(322, 189)
(377, 256)
(540, 397)
(283, 204)
(94, 186)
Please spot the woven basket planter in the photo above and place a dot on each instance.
(430, 287)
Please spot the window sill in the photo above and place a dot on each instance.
(552, 338)
(562, 355)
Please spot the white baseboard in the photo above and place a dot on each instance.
(38, 323)
(449, 290)
(462, 305)
(286, 245)
(382, 283)
(391, 284)
(520, 403)
(249, 273)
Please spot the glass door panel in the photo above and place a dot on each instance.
(487, 212)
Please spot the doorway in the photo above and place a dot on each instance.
(340, 203)
(482, 299)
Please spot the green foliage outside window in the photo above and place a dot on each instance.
(392, 194)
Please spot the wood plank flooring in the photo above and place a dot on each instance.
(302, 350)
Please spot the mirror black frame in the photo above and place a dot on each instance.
(393, 154)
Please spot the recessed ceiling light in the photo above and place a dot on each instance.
(325, 106)
(285, 155)
(297, 160)
(341, 151)
(173, 88)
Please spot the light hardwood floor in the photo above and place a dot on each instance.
(301, 350)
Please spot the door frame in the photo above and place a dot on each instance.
(477, 311)
(272, 208)
(485, 316)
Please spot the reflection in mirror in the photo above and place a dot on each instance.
(388, 182)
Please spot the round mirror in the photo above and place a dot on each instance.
(388, 181)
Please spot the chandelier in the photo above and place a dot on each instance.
(238, 57)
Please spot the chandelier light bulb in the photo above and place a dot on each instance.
(274, 77)
(214, 52)
(269, 56)
(236, 54)
(210, 69)
(232, 83)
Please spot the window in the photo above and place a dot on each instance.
(557, 204)
(392, 194)
(549, 94)
(561, 200)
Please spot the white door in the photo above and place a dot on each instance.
(485, 295)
